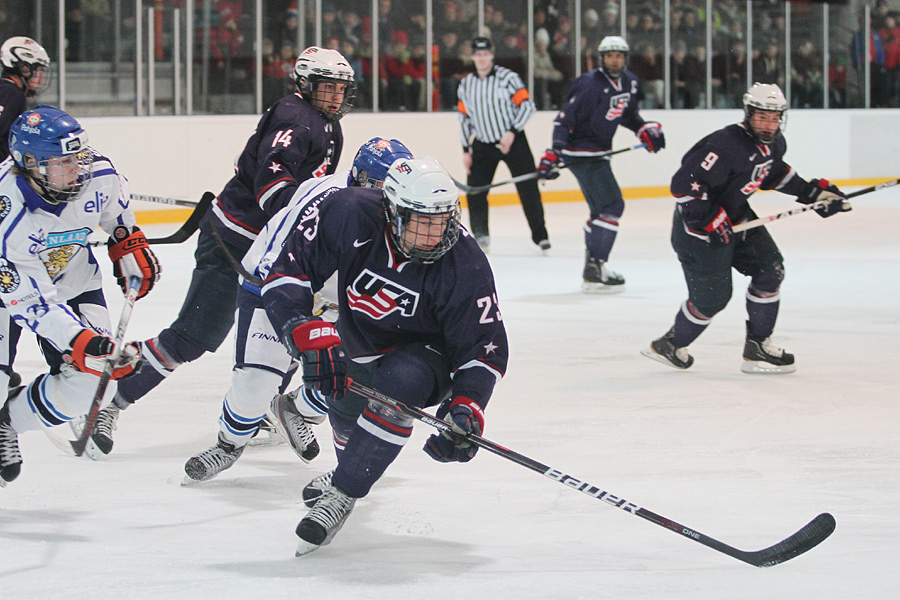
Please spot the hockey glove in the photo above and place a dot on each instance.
(317, 345)
(549, 167)
(818, 190)
(465, 417)
(132, 257)
(652, 135)
(719, 229)
(90, 351)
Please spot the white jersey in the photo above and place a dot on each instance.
(45, 258)
(268, 244)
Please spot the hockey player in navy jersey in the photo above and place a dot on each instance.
(24, 74)
(262, 367)
(54, 191)
(598, 102)
(299, 137)
(418, 320)
(712, 188)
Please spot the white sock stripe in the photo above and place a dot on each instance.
(763, 300)
(604, 224)
(692, 317)
(380, 433)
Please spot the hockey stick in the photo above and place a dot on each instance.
(188, 228)
(808, 537)
(788, 213)
(477, 189)
(164, 200)
(78, 446)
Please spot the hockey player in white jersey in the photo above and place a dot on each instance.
(54, 191)
(263, 368)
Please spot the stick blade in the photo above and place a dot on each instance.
(79, 445)
(808, 537)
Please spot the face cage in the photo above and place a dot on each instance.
(398, 216)
(55, 195)
(362, 179)
(750, 110)
(308, 91)
(26, 73)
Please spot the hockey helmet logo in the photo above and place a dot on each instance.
(9, 277)
(33, 119)
(72, 145)
(403, 168)
(382, 144)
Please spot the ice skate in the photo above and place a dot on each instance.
(314, 489)
(598, 279)
(545, 246)
(10, 456)
(665, 351)
(760, 356)
(326, 518)
(267, 435)
(288, 421)
(211, 462)
(100, 444)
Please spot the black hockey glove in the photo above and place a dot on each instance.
(465, 417)
(317, 345)
(719, 229)
(549, 166)
(818, 190)
(652, 135)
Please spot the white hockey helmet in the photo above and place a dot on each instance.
(613, 43)
(316, 67)
(25, 58)
(767, 97)
(422, 207)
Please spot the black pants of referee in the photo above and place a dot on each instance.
(485, 158)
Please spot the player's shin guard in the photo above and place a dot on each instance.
(374, 444)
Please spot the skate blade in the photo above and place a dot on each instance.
(650, 353)
(761, 367)
(271, 438)
(589, 287)
(304, 548)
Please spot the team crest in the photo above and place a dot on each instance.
(33, 119)
(58, 259)
(378, 297)
(9, 277)
(5, 207)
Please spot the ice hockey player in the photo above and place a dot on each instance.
(598, 102)
(24, 74)
(418, 320)
(299, 137)
(717, 177)
(262, 367)
(53, 193)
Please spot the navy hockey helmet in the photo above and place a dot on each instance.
(765, 97)
(422, 208)
(26, 59)
(52, 149)
(325, 79)
(371, 164)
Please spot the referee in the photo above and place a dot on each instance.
(493, 108)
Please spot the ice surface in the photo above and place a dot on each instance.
(745, 459)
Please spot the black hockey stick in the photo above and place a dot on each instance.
(796, 211)
(90, 421)
(477, 189)
(190, 226)
(808, 537)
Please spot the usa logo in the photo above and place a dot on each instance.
(378, 297)
(617, 106)
(404, 168)
(33, 119)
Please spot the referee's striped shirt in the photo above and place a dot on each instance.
(490, 106)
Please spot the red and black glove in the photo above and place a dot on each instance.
(132, 257)
(818, 190)
(317, 345)
(90, 351)
(719, 229)
(652, 135)
(466, 417)
(549, 166)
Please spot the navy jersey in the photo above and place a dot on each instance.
(12, 104)
(291, 144)
(596, 106)
(723, 170)
(385, 300)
